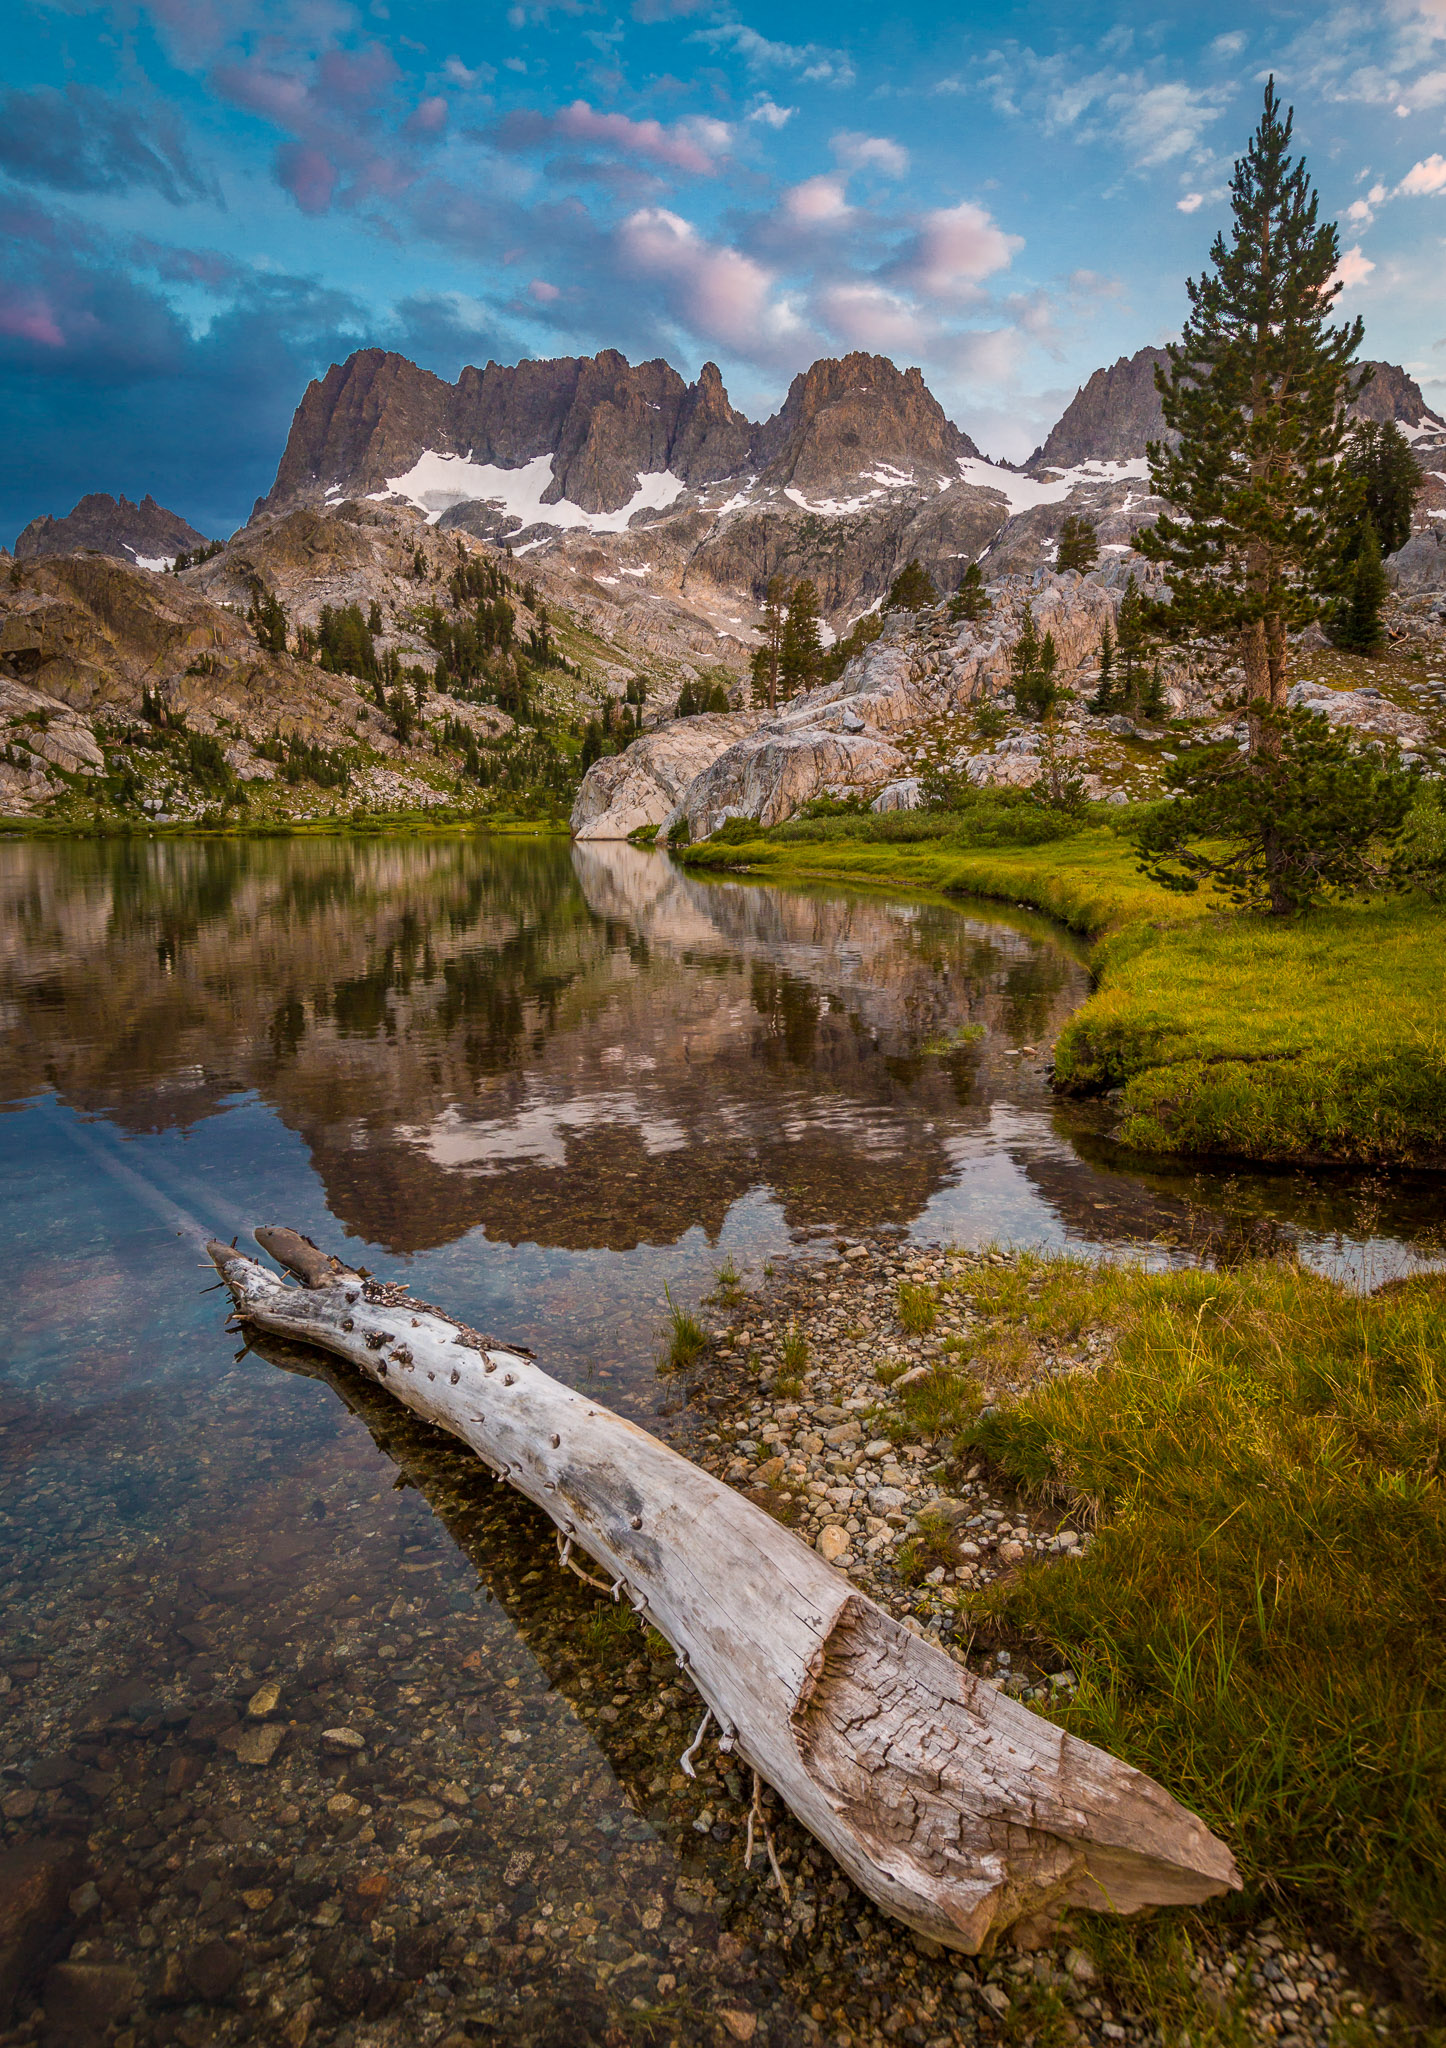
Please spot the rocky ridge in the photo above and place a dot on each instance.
(146, 534)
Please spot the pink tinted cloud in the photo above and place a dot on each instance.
(694, 145)
(308, 174)
(817, 202)
(865, 315)
(959, 246)
(722, 295)
(430, 118)
(543, 292)
(30, 318)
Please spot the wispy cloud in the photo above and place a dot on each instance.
(811, 61)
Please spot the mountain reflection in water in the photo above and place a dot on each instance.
(581, 1048)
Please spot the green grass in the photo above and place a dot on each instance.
(1309, 1040)
(918, 1307)
(1260, 1621)
(684, 1340)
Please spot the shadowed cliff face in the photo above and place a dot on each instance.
(577, 1047)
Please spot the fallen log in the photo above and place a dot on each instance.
(955, 1808)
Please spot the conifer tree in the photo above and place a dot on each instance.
(970, 601)
(1134, 643)
(1078, 546)
(1378, 458)
(1103, 699)
(1032, 663)
(912, 590)
(768, 661)
(1256, 393)
(801, 661)
(1355, 623)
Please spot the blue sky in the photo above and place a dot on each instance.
(206, 202)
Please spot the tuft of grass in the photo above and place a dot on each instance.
(891, 1369)
(1260, 1622)
(684, 1339)
(931, 1545)
(606, 1627)
(795, 1353)
(918, 1307)
(727, 1283)
(944, 1404)
(789, 1388)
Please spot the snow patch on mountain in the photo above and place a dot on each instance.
(1023, 493)
(436, 482)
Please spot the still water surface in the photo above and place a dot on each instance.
(546, 1085)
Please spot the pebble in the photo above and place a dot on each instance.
(259, 1745)
(342, 1741)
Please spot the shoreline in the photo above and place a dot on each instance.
(847, 1443)
(1302, 1042)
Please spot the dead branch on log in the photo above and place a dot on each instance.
(952, 1806)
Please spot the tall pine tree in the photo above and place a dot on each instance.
(1256, 393)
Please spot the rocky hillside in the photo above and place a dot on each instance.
(146, 533)
(933, 697)
(294, 675)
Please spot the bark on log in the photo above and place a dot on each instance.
(955, 1808)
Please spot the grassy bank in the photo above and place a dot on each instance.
(1259, 1621)
(369, 824)
(1311, 1040)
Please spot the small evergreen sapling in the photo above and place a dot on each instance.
(1104, 699)
(1355, 620)
(1032, 664)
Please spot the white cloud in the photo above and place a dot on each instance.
(1353, 268)
(817, 202)
(870, 153)
(457, 73)
(1163, 122)
(1229, 45)
(812, 61)
(1425, 177)
(1191, 203)
(772, 115)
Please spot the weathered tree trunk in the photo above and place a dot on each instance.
(953, 1807)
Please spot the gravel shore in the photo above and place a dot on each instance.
(364, 1769)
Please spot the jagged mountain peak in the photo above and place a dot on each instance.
(1113, 416)
(603, 422)
(146, 533)
(852, 416)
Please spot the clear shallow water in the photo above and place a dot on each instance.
(547, 1086)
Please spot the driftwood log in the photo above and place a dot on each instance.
(955, 1808)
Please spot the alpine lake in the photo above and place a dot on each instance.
(553, 1088)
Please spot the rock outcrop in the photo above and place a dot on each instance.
(845, 739)
(1421, 564)
(146, 533)
(846, 419)
(625, 793)
(1114, 416)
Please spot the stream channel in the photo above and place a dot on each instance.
(550, 1087)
